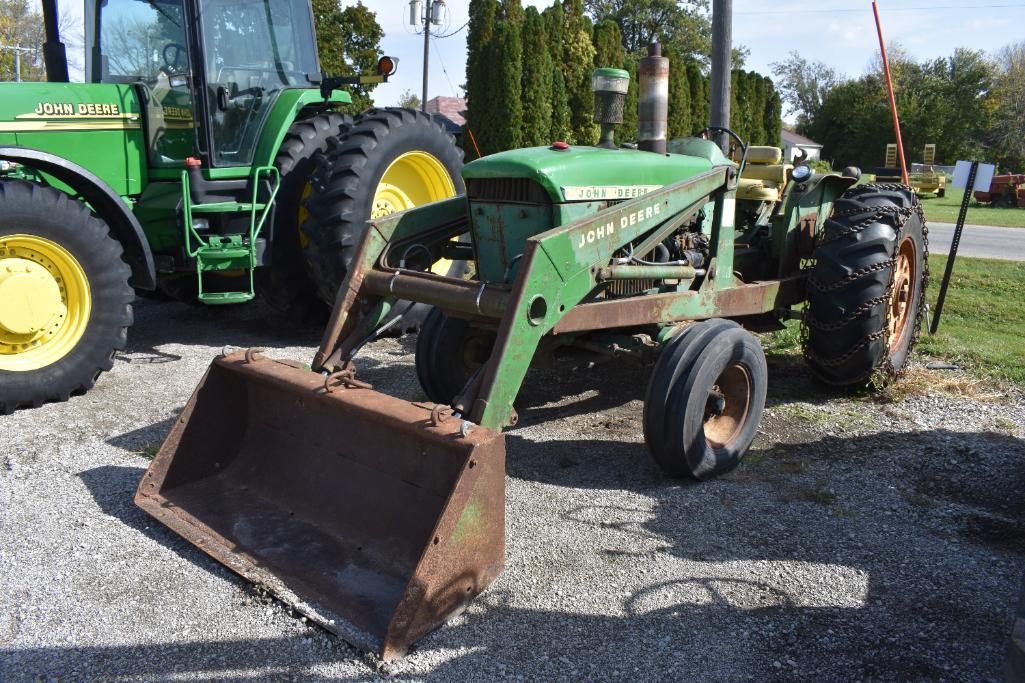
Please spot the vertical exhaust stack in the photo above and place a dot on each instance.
(653, 105)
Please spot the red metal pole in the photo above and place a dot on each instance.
(893, 99)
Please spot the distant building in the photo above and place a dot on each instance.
(793, 144)
(451, 110)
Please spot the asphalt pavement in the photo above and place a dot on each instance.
(981, 241)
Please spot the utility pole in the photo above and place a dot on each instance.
(431, 13)
(722, 56)
(17, 58)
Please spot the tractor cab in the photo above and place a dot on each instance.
(208, 72)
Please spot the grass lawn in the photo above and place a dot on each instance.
(945, 210)
(983, 323)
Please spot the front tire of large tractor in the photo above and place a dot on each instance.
(286, 285)
(866, 292)
(705, 399)
(65, 301)
(390, 160)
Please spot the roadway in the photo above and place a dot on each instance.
(982, 241)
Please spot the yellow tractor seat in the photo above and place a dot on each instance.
(764, 175)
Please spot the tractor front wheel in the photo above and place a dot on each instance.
(866, 292)
(390, 160)
(705, 399)
(65, 301)
(448, 351)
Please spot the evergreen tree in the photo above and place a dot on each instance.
(698, 96)
(679, 96)
(577, 58)
(773, 116)
(560, 107)
(555, 20)
(537, 82)
(505, 52)
(512, 11)
(480, 109)
(608, 45)
(628, 131)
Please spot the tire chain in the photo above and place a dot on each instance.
(884, 371)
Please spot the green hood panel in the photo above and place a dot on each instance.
(592, 173)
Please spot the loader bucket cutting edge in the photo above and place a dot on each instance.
(350, 506)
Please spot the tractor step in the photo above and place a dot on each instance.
(217, 298)
(222, 253)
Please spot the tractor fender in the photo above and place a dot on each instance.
(103, 200)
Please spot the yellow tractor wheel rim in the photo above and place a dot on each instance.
(45, 302)
(413, 179)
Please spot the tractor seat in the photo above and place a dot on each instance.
(764, 175)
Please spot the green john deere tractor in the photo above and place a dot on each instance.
(182, 165)
(380, 517)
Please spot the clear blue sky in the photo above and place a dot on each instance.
(840, 33)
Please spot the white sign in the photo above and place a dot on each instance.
(599, 192)
(983, 176)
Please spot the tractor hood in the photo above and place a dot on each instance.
(587, 174)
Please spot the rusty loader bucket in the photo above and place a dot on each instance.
(369, 514)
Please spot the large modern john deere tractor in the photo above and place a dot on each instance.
(181, 164)
(380, 517)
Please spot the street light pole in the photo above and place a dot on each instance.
(430, 14)
(427, 52)
(17, 59)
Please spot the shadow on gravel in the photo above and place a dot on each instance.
(169, 322)
(113, 489)
(933, 520)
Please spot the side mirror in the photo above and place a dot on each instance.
(179, 81)
(851, 172)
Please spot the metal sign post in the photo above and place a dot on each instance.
(969, 187)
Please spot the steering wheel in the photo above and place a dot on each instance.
(708, 133)
(179, 52)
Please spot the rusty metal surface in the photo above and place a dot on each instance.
(451, 294)
(742, 300)
(347, 504)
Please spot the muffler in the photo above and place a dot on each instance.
(375, 517)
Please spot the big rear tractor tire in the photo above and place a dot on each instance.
(65, 301)
(389, 160)
(448, 351)
(866, 292)
(705, 399)
(286, 284)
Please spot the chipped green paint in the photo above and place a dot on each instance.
(470, 524)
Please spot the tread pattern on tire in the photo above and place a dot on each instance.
(674, 419)
(56, 216)
(346, 176)
(286, 285)
(845, 324)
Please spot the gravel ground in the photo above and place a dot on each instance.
(861, 540)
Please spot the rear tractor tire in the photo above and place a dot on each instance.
(448, 351)
(866, 292)
(65, 301)
(286, 284)
(705, 399)
(390, 160)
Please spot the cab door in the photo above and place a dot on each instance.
(144, 43)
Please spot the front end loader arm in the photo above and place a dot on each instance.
(560, 268)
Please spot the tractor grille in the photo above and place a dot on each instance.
(620, 288)
(519, 190)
